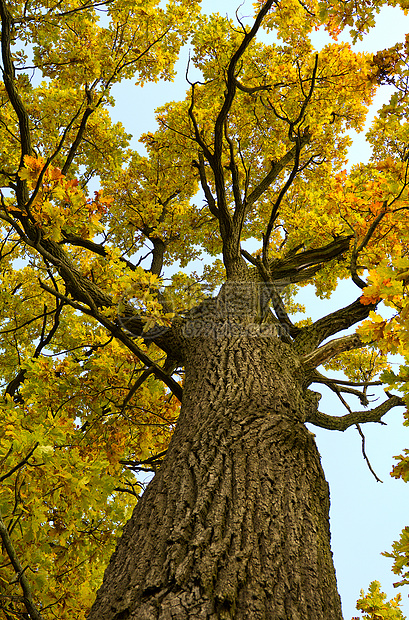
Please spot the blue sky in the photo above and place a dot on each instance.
(366, 516)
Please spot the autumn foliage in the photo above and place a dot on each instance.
(89, 400)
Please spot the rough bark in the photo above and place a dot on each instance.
(235, 523)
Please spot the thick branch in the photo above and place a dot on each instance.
(231, 77)
(341, 423)
(276, 168)
(15, 99)
(16, 382)
(294, 267)
(97, 248)
(205, 187)
(313, 335)
(85, 291)
(270, 292)
(146, 373)
(158, 372)
(280, 310)
(331, 349)
(80, 287)
(230, 232)
(158, 254)
(251, 89)
(300, 266)
(9, 81)
(78, 137)
(276, 206)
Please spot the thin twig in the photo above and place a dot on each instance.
(365, 455)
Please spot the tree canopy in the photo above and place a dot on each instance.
(96, 239)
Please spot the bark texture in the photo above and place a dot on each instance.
(235, 523)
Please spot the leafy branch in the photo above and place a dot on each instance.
(27, 597)
(118, 333)
(20, 464)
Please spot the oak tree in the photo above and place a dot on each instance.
(113, 364)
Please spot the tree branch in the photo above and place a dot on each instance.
(15, 99)
(270, 292)
(20, 464)
(341, 423)
(276, 168)
(302, 265)
(283, 191)
(97, 248)
(250, 90)
(20, 572)
(154, 460)
(299, 266)
(205, 186)
(231, 77)
(158, 253)
(312, 335)
(74, 146)
(230, 231)
(234, 171)
(117, 332)
(85, 6)
(331, 349)
(9, 81)
(146, 373)
(338, 386)
(358, 248)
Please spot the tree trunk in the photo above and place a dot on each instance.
(235, 523)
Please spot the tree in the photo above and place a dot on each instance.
(235, 522)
